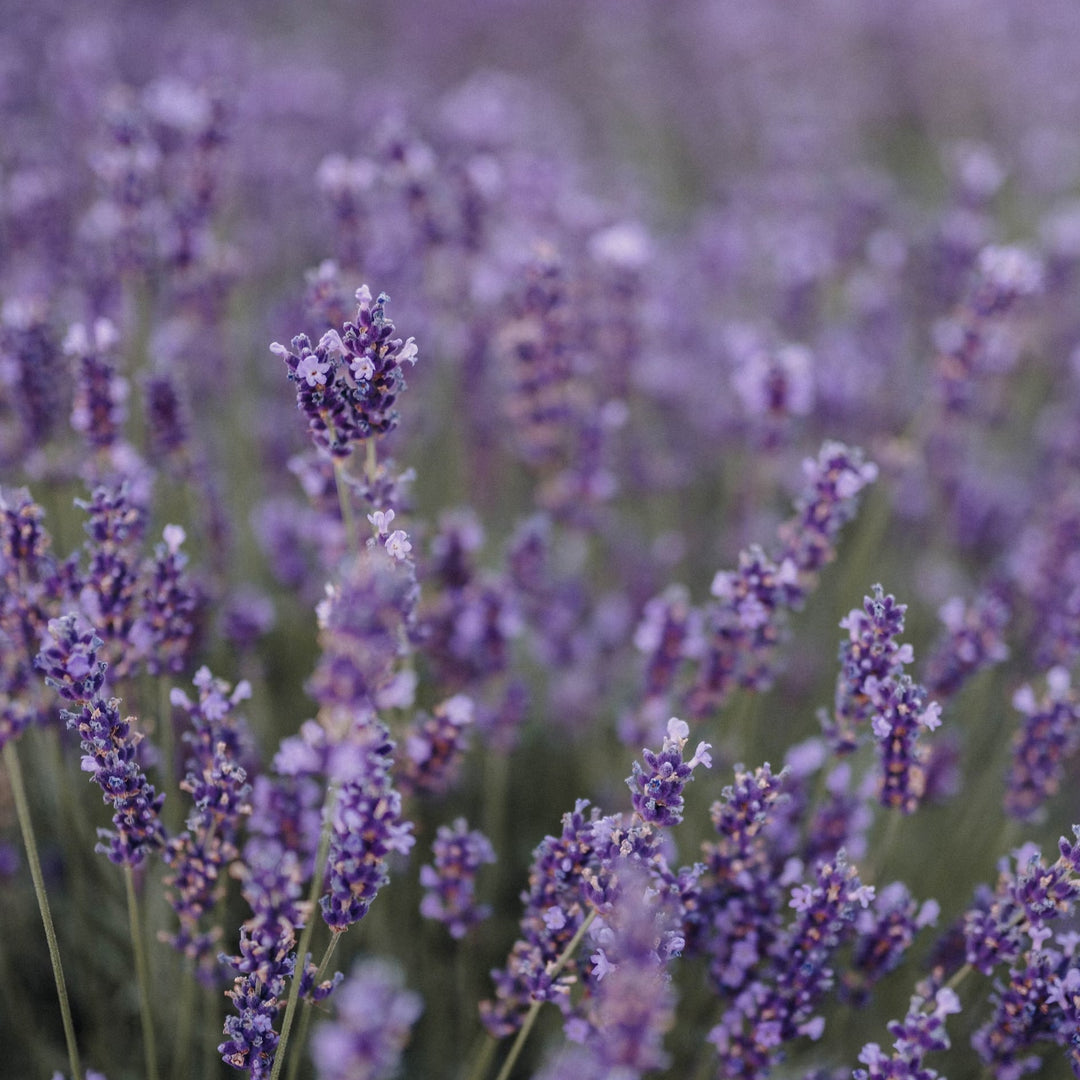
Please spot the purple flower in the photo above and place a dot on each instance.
(972, 640)
(451, 881)
(217, 784)
(71, 666)
(366, 827)
(99, 411)
(657, 789)
(364, 624)
(33, 587)
(832, 485)
(348, 383)
(1048, 737)
(375, 1015)
(919, 1033)
(163, 632)
(434, 746)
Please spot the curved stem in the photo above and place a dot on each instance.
(306, 934)
(534, 1009)
(142, 975)
(22, 810)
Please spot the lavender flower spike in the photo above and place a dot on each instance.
(72, 667)
(657, 791)
(451, 882)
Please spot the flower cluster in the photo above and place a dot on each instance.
(348, 383)
(217, 783)
(71, 666)
(450, 882)
(657, 788)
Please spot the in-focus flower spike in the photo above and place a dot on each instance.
(921, 1032)
(902, 713)
(870, 654)
(1049, 736)
(348, 383)
(779, 1005)
(555, 907)
(1024, 900)
(70, 664)
(451, 881)
(657, 789)
(375, 1015)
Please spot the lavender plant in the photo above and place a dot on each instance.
(707, 348)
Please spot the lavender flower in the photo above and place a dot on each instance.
(109, 594)
(884, 931)
(434, 746)
(870, 655)
(972, 640)
(364, 624)
(366, 827)
(778, 1005)
(71, 666)
(100, 406)
(1049, 736)
(657, 789)
(918, 1034)
(217, 783)
(163, 632)
(347, 385)
(273, 881)
(451, 881)
(833, 482)
(32, 590)
(374, 1017)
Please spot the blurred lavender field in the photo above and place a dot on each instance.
(433, 435)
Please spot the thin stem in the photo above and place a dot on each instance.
(22, 810)
(345, 503)
(553, 970)
(482, 1056)
(306, 933)
(142, 975)
(370, 462)
(305, 1016)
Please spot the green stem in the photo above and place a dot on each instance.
(370, 462)
(22, 810)
(482, 1056)
(305, 1016)
(142, 975)
(306, 933)
(553, 970)
(345, 503)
